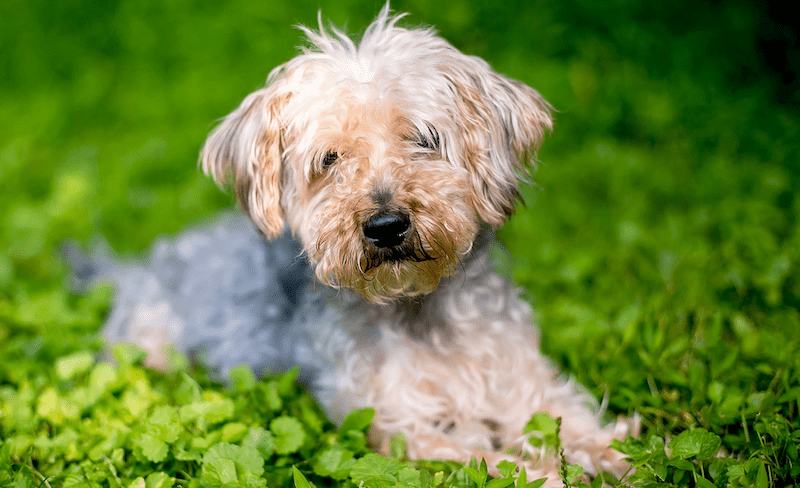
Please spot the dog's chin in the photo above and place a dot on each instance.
(391, 280)
(383, 278)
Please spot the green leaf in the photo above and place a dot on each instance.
(542, 427)
(373, 469)
(159, 480)
(128, 354)
(75, 364)
(409, 477)
(137, 400)
(476, 476)
(735, 471)
(358, 420)
(682, 464)
(211, 412)
(260, 439)
(536, 483)
(250, 480)
(188, 390)
(500, 483)
(219, 471)
(138, 483)
(287, 382)
(164, 423)
(697, 443)
(709, 445)
(55, 409)
(522, 479)
(226, 463)
(574, 471)
(242, 378)
(233, 432)
(151, 448)
(541, 422)
(700, 482)
(397, 446)
(300, 481)
(289, 434)
(506, 468)
(269, 396)
(333, 462)
(761, 477)
(102, 377)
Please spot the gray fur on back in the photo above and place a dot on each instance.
(224, 294)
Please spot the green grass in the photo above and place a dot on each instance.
(659, 245)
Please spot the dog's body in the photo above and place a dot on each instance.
(390, 163)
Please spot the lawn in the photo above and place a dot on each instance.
(659, 242)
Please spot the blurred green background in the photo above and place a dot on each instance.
(105, 104)
(660, 244)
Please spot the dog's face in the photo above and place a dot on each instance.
(383, 158)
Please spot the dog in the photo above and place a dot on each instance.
(373, 175)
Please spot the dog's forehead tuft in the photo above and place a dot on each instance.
(385, 51)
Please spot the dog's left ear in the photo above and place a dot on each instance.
(500, 124)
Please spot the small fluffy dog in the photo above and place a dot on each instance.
(380, 170)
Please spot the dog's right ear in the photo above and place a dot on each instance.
(246, 148)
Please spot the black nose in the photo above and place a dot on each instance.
(387, 229)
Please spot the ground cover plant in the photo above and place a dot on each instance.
(659, 244)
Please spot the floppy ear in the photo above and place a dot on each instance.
(246, 148)
(501, 125)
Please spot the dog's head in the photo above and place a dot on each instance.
(382, 157)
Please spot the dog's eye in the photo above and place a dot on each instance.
(330, 159)
(427, 142)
